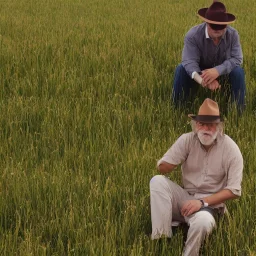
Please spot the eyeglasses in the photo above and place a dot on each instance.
(209, 125)
(217, 27)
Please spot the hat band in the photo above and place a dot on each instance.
(207, 118)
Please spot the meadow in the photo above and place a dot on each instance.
(85, 109)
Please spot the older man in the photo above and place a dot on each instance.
(212, 167)
(212, 51)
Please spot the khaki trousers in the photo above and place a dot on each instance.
(166, 199)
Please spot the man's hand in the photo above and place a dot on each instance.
(209, 75)
(190, 206)
(213, 85)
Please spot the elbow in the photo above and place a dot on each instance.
(238, 61)
(236, 196)
(164, 167)
(233, 193)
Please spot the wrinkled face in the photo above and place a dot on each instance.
(207, 132)
(214, 34)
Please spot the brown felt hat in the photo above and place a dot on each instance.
(216, 14)
(208, 112)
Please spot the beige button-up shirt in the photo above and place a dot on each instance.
(207, 172)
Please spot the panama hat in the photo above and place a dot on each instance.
(208, 112)
(216, 14)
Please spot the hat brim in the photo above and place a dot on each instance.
(206, 118)
(231, 18)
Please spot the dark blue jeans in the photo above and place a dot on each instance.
(183, 85)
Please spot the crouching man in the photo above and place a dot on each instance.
(212, 167)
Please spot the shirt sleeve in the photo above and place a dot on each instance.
(178, 152)
(236, 56)
(190, 55)
(235, 170)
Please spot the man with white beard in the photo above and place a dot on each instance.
(212, 167)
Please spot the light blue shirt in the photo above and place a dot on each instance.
(201, 53)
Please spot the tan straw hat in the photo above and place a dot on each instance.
(208, 112)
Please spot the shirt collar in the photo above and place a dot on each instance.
(206, 32)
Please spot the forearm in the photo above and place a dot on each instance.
(220, 197)
(165, 167)
(228, 65)
(190, 67)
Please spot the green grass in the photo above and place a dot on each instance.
(85, 114)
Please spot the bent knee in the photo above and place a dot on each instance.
(237, 72)
(157, 180)
(180, 68)
(203, 221)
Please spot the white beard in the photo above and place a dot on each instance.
(207, 138)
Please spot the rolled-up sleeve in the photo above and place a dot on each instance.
(178, 152)
(235, 171)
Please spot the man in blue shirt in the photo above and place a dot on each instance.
(211, 51)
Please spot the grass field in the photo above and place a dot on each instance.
(85, 91)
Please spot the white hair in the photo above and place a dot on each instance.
(220, 127)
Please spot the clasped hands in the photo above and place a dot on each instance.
(190, 206)
(209, 79)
